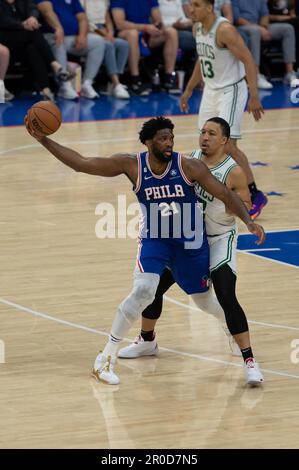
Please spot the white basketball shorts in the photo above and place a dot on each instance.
(228, 103)
(223, 250)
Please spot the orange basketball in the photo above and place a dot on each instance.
(44, 117)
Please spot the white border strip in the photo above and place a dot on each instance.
(252, 252)
(268, 259)
(278, 230)
(256, 250)
(134, 139)
(102, 333)
(191, 307)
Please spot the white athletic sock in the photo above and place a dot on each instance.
(111, 347)
(120, 327)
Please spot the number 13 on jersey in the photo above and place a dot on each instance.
(207, 68)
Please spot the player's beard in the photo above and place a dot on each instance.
(205, 150)
(160, 155)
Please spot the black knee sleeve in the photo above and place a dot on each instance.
(224, 282)
(154, 310)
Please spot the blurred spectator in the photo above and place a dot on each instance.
(67, 32)
(4, 61)
(116, 50)
(173, 15)
(131, 19)
(253, 17)
(19, 31)
(284, 11)
(224, 8)
(186, 8)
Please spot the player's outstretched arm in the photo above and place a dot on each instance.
(229, 37)
(199, 172)
(115, 165)
(195, 78)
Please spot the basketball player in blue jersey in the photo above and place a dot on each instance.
(223, 63)
(163, 178)
(222, 233)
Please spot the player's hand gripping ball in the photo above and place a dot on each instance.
(44, 118)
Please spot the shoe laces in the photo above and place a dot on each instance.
(107, 364)
(138, 339)
(250, 363)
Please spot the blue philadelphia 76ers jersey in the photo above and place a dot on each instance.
(169, 205)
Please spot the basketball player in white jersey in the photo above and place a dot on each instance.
(222, 235)
(223, 63)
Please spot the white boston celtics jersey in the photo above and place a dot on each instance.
(217, 220)
(219, 67)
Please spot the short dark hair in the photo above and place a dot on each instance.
(151, 127)
(223, 124)
(211, 2)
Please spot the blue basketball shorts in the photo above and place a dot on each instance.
(190, 267)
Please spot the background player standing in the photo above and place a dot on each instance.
(223, 62)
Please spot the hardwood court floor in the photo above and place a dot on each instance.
(60, 286)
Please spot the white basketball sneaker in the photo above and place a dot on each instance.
(253, 374)
(87, 90)
(103, 369)
(67, 92)
(139, 348)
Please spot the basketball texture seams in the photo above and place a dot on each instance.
(45, 117)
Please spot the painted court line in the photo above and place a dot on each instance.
(245, 252)
(220, 361)
(133, 139)
(102, 333)
(253, 250)
(270, 325)
(49, 317)
(282, 230)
